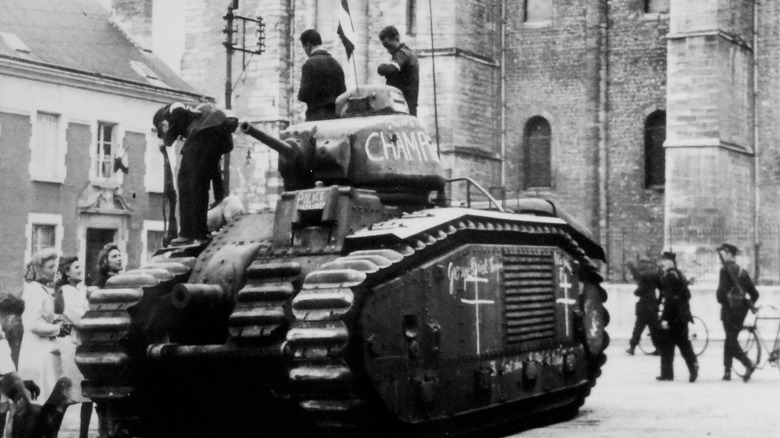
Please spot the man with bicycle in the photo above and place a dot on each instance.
(736, 294)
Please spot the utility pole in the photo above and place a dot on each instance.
(232, 46)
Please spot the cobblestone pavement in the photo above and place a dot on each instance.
(628, 402)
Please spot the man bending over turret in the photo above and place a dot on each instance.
(208, 134)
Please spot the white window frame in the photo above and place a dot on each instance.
(59, 171)
(149, 226)
(117, 134)
(154, 174)
(43, 219)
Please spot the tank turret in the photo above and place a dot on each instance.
(375, 145)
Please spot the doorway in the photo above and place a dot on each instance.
(96, 239)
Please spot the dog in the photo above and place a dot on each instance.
(31, 420)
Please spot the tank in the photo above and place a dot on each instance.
(369, 303)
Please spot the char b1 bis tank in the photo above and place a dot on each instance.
(368, 303)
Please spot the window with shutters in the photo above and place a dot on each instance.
(105, 151)
(47, 148)
(151, 239)
(537, 166)
(43, 230)
(655, 159)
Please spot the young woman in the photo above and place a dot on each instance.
(75, 304)
(39, 356)
(109, 264)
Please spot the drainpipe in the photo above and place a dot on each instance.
(757, 169)
(502, 73)
(596, 98)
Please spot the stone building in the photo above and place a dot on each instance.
(76, 93)
(651, 121)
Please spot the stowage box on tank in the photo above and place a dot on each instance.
(366, 304)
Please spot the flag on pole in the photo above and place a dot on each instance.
(346, 31)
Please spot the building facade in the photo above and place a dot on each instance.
(76, 98)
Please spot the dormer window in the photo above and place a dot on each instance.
(147, 73)
(15, 43)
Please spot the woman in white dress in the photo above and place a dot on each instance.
(39, 355)
(74, 304)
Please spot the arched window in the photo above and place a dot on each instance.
(536, 157)
(655, 160)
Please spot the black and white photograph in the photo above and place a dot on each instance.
(389, 218)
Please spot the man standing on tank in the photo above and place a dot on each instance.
(403, 71)
(322, 79)
(208, 134)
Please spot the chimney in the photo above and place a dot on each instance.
(134, 17)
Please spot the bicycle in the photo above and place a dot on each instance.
(698, 334)
(753, 344)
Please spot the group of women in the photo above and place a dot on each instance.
(55, 299)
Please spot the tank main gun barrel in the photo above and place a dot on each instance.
(289, 151)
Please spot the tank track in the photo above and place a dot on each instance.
(106, 358)
(318, 340)
(260, 305)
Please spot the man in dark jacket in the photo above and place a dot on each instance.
(735, 300)
(675, 314)
(646, 276)
(208, 133)
(322, 79)
(403, 71)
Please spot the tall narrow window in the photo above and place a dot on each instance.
(105, 150)
(43, 236)
(535, 11)
(655, 160)
(536, 158)
(411, 17)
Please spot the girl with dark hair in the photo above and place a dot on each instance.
(39, 356)
(109, 264)
(73, 293)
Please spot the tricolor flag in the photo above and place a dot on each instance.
(346, 31)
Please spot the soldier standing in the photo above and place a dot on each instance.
(403, 71)
(736, 294)
(646, 276)
(675, 314)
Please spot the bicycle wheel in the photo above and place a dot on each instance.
(646, 342)
(698, 335)
(749, 342)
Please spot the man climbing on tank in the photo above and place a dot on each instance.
(207, 133)
(403, 71)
